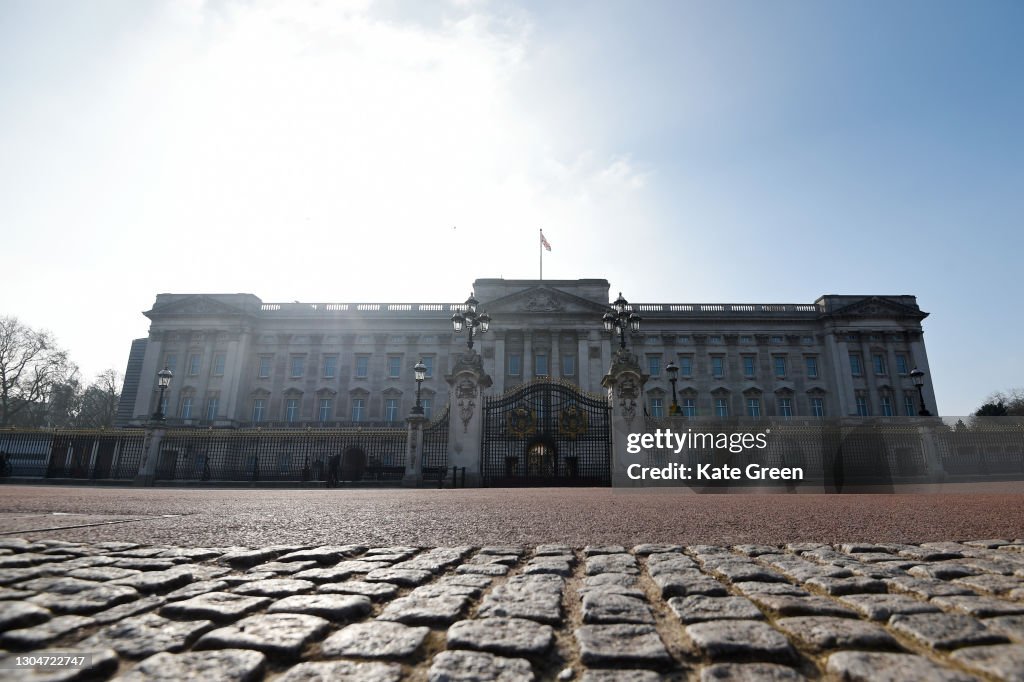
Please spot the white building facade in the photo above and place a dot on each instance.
(237, 360)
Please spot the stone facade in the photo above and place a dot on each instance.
(238, 360)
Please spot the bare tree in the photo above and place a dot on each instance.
(1003, 403)
(99, 400)
(31, 366)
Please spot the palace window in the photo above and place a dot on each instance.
(325, 409)
(358, 409)
(394, 366)
(425, 403)
(298, 365)
(780, 366)
(748, 365)
(902, 364)
(330, 366)
(685, 366)
(186, 407)
(908, 404)
(568, 365)
(878, 361)
(717, 366)
(722, 407)
(855, 365)
(211, 408)
(264, 367)
(862, 406)
(540, 365)
(195, 360)
(657, 407)
(362, 367)
(886, 405)
(219, 360)
(689, 407)
(391, 409)
(818, 407)
(515, 364)
(258, 409)
(754, 407)
(171, 361)
(428, 362)
(812, 367)
(785, 407)
(654, 365)
(291, 410)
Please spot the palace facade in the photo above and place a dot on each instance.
(237, 360)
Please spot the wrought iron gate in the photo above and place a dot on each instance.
(546, 433)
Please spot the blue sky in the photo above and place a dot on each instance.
(686, 151)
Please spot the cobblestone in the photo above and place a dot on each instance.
(749, 672)
(228, 664)
(376, 639)
(277, 634)
(476, 666)
(142, 636)
(609, 645)
(749, 612)
(1003, 661)
(505, 636)
(739, 639)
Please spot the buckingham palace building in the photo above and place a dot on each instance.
(239, 361)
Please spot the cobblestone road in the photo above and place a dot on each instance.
(857, 611)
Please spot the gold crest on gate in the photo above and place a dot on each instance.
(521, 422)
(573, 422)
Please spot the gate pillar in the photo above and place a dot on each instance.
(414, 451)
(465, 427)
(625, 384)
(150, 455)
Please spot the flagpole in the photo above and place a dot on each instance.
(540, 245)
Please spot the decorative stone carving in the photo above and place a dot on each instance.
(465, 394)
(544, 302)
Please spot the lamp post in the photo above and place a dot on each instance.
(471, 320)
(163, 380)
(918, 377)
(620, 318)
(673, 371)
(420, 371)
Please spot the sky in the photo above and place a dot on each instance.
(394, 151)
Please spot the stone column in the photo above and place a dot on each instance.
(499, 361)
(414, 451)
(554, 370)
(846, 402)
(150, 454)
(930, 450)
(625, 385)
(527, 357)
(583, 362)
(465, 426)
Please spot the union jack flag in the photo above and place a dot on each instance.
(544, 242)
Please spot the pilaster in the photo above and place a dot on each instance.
(465, 426)
(625, 385)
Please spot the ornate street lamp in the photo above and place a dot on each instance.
(163, 380)
(471, 320)
(918, 377)
(673, 371)
(620, 318)
(420, 371)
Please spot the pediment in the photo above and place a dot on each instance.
(543, 300)
(878, 306)
(193, 304)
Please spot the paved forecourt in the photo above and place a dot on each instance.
(852, 611)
